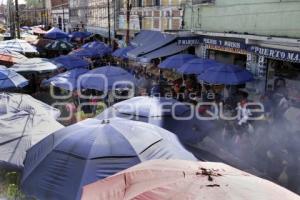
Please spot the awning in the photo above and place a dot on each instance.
(152, 42)
(143, 37)
(165, 51)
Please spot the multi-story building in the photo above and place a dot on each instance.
(159, 15)
(78, 14)
(2, 14)
(60, 14)
(262, 36)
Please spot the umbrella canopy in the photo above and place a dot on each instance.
(226, 74)
(71, 62)
(175, 62)
(59, 46)
(8, 57)
(177, 180)
(196, 66)
(19, 131)
(104, 78)
(167, 113)
(122, 52)
(80, 35)
(10, 79)
(35, 65)
(61, 164)
(38, 30)
(94, 44)
(56, 34)
(66, 80)
(18, 45)
(13, 103)
(87, 53)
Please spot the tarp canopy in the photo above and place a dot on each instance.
(18, 45)
(61, 164)
(80, 35)
(56, 34)
(164, 112)
(162, 52)
(144, 37)
(35, 65)
(122, 52)
(59, 46)
(176, 61)
(94, 44)
(89, 52)
(155, 41)
(178, 180)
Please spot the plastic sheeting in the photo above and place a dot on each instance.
(176, 61)
(178, 180)
(197, 66)
(154, 40)
(11, 79)
(71, 62)
(56, 34)
(163, 112)
(61, 164)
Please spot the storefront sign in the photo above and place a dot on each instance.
(224, 43)
(226, 49)
(190, 41)
(276, 53)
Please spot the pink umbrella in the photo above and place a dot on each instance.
(184, 180)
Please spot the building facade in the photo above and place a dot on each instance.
(78, 14)
(262, 36)
(60, 14)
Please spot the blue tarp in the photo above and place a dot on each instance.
(104, 78)
(60, 165)
(71, 62)
(93, 52)
(94, 44)
(197, 66)
(67, 80)
(162, 112)
(11, 79)
(155, 40)
(226, 74)
(56, 34)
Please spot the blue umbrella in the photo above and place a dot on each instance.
(122, 52)
(104, 78)
(61, 164)
(93, 44)
(162, 112)
(56, 34)
(175, 62)
(88, 53)
(71, 62)
(67, 80)
(80, 35)
(196, 66)
(226, 74)
(11, 79)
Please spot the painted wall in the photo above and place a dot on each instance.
(259, 17)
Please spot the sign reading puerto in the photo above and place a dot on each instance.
(276, 53)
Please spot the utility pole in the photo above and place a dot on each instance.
(17, 19)
(109, 35)
(128, 11)
(11, 19)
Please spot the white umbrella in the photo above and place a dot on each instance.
(35, 65)
(18, 45)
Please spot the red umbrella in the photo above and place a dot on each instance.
(185, 180)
